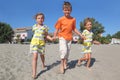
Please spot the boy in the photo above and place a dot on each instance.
(64, 28)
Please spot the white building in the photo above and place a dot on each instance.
(23, 33)
(115, 41)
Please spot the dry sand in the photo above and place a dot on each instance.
(15, 63)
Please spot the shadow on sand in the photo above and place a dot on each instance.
(48, 67)
(73, 63)
(93, 60)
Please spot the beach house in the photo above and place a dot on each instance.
(115, 41)
(22, 34)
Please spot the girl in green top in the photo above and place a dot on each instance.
(37, 45)
(87, 43)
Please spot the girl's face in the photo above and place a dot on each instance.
(88, 26)
(40, 19)
(67, 12)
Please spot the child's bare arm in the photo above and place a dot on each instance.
(55, 34)
(82, 36)
(49, 37)
(96, 42)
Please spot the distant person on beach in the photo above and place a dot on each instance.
(87, 43)
(37, 45)
(23, 38)
(64, 28)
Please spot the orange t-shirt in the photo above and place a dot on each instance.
(65, 27)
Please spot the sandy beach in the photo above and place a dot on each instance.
(15, 63)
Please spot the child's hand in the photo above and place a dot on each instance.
(54, 38)
(51, 39)
(83, 37)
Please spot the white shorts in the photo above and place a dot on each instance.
(64, 48)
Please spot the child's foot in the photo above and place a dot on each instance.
(79, 63)
(43, 66)
(62, 70)
(34, 76)
(89, 68)
(65, 66)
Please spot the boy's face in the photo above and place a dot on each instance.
(40, 19)
(88, 26)
(67, 12)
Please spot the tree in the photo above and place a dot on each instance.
(116, 35)
(6, 33)
(109, 36)
(104, 40)
(97, 28)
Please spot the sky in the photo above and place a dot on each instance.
(20, 13)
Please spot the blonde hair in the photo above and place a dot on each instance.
(35, 17)
(86, 21)
(67, 5)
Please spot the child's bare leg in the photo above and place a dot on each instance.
(65, 64)
(88, 62)
(43, 60)
(62, 66)
(34, 64)
(79, 62)
(81, 59)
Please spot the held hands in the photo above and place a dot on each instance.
(54, 38)
(50, 38)
(83, 37)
